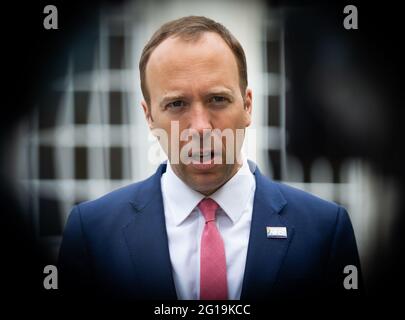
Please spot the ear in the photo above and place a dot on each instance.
(248, 106)
(148, 115)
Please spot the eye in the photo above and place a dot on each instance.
(176, 104)
(219, 100)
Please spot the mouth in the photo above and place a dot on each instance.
(204, 159)
(202, 155)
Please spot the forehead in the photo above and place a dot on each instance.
(179, 63)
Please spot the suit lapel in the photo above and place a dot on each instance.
(146, 239)
(265, 255)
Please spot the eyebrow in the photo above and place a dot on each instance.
(220, 90)
(170, 97)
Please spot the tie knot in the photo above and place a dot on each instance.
(208, 208)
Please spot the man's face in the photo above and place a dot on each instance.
(196, 84)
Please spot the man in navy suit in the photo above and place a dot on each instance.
(207, 224)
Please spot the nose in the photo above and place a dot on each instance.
(200, 118)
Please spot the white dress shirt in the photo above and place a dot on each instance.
(185, 223)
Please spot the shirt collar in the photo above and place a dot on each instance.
(232, 197)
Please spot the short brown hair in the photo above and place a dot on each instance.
(190, 28)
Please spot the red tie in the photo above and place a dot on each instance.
(213, 283)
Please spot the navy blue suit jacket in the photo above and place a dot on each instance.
(117, 246)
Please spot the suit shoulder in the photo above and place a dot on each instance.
(307, 209)
(114, 200)
(300, 197)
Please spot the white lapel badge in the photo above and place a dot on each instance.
(276, 232)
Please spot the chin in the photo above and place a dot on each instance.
(205, 184)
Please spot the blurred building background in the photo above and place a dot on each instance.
(89, 135)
